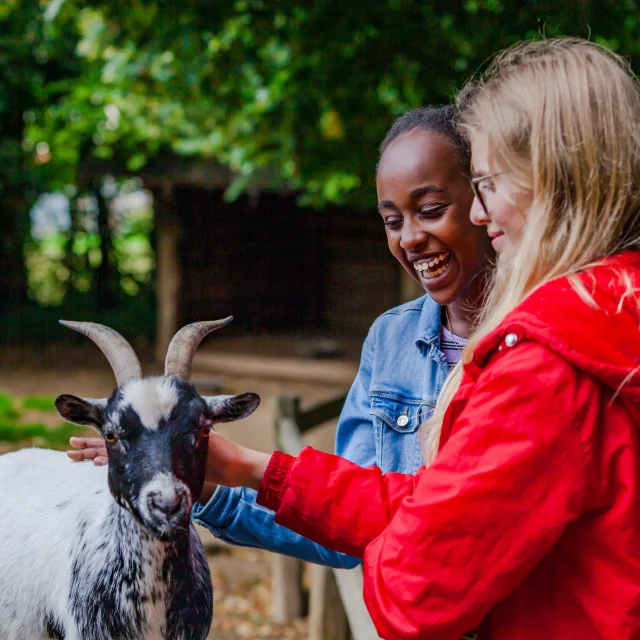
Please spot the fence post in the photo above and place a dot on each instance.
(286, 573)
(336, 598)
(327, 617)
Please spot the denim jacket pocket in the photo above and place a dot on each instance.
(396, 421)
(400, 414)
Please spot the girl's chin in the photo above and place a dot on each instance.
(444, 297)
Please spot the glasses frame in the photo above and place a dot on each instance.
(476, 189)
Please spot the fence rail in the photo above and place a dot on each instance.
(336, 606)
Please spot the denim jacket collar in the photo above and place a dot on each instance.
(429, 325)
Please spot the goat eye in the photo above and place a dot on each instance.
(110, 437)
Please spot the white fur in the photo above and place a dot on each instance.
(39, 538)
(151, 398)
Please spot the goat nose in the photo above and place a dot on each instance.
(167, 503)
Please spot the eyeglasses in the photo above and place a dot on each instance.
(475, 185)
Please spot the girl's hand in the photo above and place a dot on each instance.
(231, 465)
(89, 449)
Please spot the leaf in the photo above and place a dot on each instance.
(136, 162)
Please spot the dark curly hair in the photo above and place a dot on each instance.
(442, 120)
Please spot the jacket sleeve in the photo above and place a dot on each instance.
(442, 549)
(233, 515)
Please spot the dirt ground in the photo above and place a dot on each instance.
(241, 577)
(242, 596)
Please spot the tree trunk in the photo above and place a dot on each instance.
(168, 274)
(104, 276)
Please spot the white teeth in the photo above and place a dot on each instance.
(424, 266)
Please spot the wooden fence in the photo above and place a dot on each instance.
(336, 607)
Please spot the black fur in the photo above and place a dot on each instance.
(53, 628)
(190, 602)
(110, 600)
(112, 607)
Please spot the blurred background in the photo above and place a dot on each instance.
(164, 162)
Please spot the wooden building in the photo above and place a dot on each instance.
(275, 266)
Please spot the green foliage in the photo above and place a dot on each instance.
(40, 323)
(7, 409)
(34, 55)
(37, 434)
(39, 403)
(64, 260)
(14, 429)
(297, 93)
(286, 94)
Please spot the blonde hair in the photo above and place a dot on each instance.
(562, 119)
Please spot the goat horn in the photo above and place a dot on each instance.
(119, 352)
(184, 344)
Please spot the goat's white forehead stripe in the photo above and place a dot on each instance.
(151, 398)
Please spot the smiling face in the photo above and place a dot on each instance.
(424, 200)
(506, 206)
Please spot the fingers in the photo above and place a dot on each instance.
(89, 449)
(86, 443)
(84, 454)
(97, 454)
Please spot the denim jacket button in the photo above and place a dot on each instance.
(402, 421)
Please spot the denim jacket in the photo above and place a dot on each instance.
(401, 373)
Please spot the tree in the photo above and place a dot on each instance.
(27, 65)
(302, 92)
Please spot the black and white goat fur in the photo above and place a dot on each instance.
(109, 553)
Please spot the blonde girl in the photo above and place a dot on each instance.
(527, 524)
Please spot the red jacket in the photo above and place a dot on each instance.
(528, 522)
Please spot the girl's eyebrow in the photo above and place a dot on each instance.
(386, 204)
(418, 192)
(426, 189)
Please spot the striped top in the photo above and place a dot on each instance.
(451, 346)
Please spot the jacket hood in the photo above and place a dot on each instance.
(602, 340)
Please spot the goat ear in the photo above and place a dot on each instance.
(85, 411)
(229, 408)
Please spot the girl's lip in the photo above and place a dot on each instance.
(496, 241)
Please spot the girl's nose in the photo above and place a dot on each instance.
(412, 236)
(478, 214)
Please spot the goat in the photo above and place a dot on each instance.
(110, 553)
